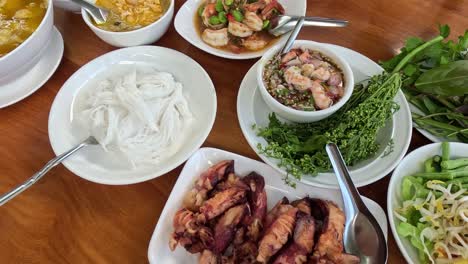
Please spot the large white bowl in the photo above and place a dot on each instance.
(142, 36)
(26, 55)
(412, 163)
(96, 165)
(67, 5)
(298, 115)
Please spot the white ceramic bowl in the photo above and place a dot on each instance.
(67, 5)
(298, 115)
(26, 55)
(142, 36)
(412, 163)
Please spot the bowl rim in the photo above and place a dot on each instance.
(28, 39)
(87, 20)
(391, 193)
(342, 63)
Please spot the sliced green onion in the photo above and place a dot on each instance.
(222, 17)
(219, 6)
(237, 15)
(214, 20)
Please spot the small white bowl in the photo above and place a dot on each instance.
(67, 5)
(298, 115)
(413, 163)
(20, 60)
(142, 36)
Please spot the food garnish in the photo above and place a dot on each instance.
(300, 148)
(304, 79)
(141, 115)
(237, 25)
(434, 212)
(18, 20)
(436, 82)
(307, 229)
(127, 15)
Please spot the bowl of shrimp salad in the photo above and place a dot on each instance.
(306, 84)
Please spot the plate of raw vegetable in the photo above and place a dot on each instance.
(427, 204)
(435, 83)
(373, 129)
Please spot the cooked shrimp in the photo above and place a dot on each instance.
(321, 73)
(288, 56)
(308, 69)
(254, 7)
(239, 30)
(254, 43)
(253, 21)
(217, 38)
(293, 76)
(322, 101)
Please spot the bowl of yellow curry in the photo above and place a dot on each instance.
(25, 30)
(132, 22)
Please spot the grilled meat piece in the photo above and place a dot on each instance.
(226, 227)
(303, 242)
(231, 180)
(280, 208)
(206, 182)
(330, 242)
(219, 203)
(257, 199)
(276, 235)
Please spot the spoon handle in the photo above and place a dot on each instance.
(352, 199)
(293, 36)
(38, 175)
(325, 22)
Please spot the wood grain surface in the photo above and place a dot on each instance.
(65, 219)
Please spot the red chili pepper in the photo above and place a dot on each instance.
(230, 17)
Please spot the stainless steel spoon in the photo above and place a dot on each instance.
(362, 236)
(289, 43)
(52, 163)
(284, 24)
(98, 14)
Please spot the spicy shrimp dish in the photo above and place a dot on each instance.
(304, 79)
(237, 25)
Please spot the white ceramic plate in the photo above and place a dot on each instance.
(96, 165)
(40, 73)
(251, 109)
(159, 252)
(412, 163)
(184, 24)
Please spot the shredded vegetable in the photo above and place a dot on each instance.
(434, 213)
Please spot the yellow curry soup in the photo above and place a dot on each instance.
(127, 15)
(18, 20)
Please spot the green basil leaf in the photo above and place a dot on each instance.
(412, 43)
(450, 79)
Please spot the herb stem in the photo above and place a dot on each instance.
(413, 53)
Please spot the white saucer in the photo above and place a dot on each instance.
(93, 163)
(31, 81)
(184, 25)
(252, 110)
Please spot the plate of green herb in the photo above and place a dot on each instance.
(373, 130)
(435, 83)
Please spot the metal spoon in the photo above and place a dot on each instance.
(52, 163)
(362, 236)
(284, 24)
(297, 28)
(98, 14)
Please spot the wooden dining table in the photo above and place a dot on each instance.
(66, 219)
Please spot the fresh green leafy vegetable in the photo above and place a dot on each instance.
(450, 79)
(435, 81)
